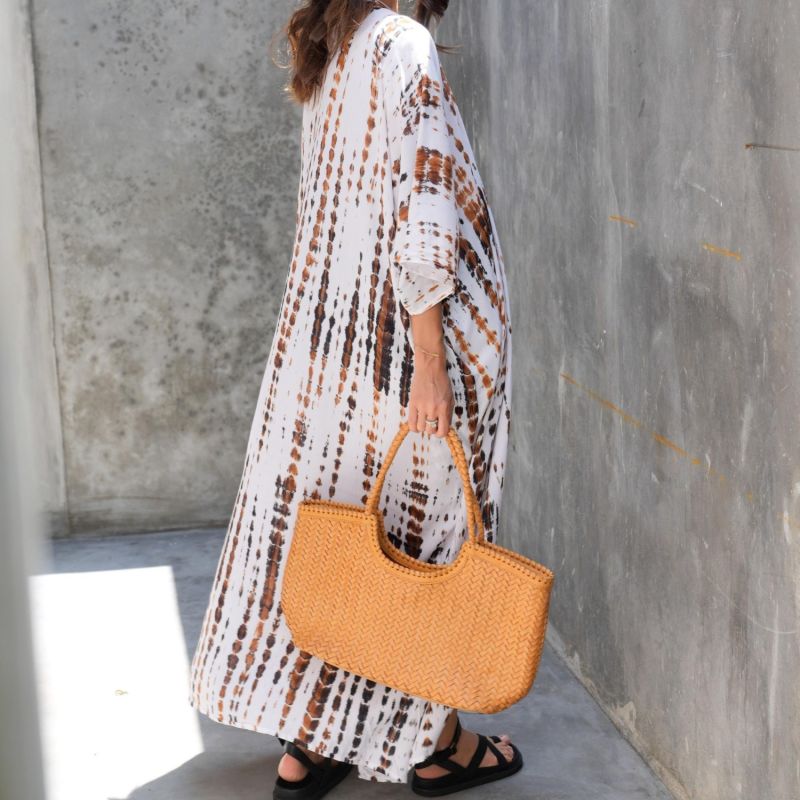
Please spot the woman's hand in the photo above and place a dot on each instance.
(431, 395)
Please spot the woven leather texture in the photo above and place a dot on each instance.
(468, 634)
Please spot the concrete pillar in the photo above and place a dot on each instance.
(21, 266)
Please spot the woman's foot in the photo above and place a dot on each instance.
(465, 748)
(290, 769)
(303, 775)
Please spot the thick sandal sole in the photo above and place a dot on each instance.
(448, 784)
(312, 790)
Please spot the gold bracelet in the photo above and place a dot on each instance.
(428, 352)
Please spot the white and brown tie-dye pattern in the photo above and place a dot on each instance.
(392, 217)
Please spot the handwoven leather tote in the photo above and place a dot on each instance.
(467, 634)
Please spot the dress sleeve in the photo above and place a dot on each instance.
(424, 247)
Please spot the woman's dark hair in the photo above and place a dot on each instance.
(317, 29)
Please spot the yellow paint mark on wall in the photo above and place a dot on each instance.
(712, 248)
(792, 522)
(607, 403)
(617, 218)
(662, 440)
(667, 443)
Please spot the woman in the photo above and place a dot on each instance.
(395, 309)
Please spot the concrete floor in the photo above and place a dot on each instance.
(116, 620)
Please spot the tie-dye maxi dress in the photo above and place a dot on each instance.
(392, 218)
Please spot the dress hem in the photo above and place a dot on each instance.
(325, 750)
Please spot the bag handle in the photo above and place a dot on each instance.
(474, 520)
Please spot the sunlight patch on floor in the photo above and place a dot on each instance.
(112, 676)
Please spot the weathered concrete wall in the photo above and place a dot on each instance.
(656, 434)
(24, 477)
(24, 259)
(170, 160)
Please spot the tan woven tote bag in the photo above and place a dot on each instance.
(467, 634)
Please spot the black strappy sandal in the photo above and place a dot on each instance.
(321, 778)
(465, 777)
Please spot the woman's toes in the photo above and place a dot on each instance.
(504, 745)
(490, 759)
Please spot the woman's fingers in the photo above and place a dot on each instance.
(430, 400)
(415, 419)
(444, 422)
(418, 417)
(432, 413)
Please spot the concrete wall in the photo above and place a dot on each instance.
(24, 478)
(25, 260)
(170, 161)
(656, 435)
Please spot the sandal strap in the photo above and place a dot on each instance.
(442, 757)
(501, 759)
(477, 756)
(484, 743)
(317, 770)
(454, 767)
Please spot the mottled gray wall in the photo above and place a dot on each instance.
(170, 158)
(656, 398)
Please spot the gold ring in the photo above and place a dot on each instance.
(432, 421)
